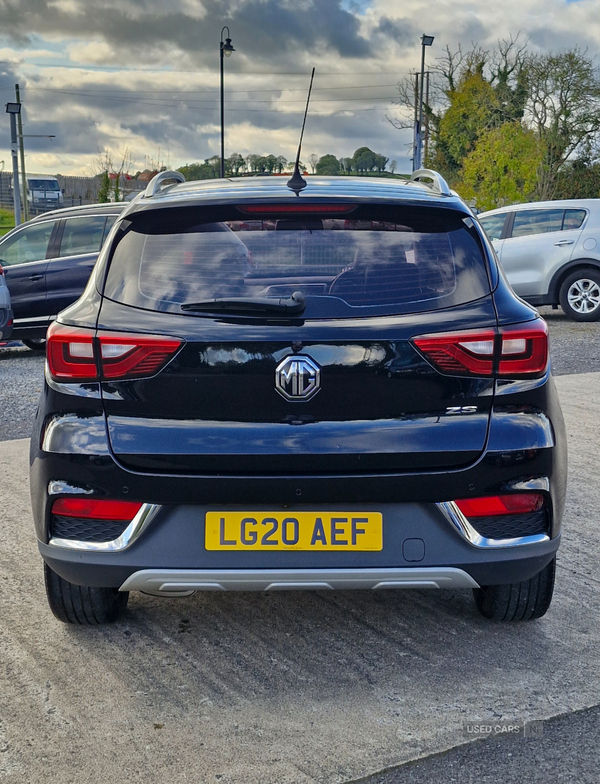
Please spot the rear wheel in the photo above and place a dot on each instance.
(518, 601)
(78, 604)
(579, 295)
(35, 344)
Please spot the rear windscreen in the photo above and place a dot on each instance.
(374, 260)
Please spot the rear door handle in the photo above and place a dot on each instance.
(36, 277)
(564, 242)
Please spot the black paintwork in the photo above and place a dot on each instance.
(383, 431)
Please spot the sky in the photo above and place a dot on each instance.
(140, 78)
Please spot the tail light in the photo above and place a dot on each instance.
(1, 270)
(495, 505)
(94, 509)
(78, 354)
(519, 350)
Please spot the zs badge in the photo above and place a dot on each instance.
(297, 378)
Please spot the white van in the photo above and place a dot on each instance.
(43, 191)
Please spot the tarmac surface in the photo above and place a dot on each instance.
(296, 688)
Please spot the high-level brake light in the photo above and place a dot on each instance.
(519, 350)
(270, 209)
(79, 354)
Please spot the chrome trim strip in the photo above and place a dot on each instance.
(460, 523)
(133, 531)
(535, 483)
(60, 487)
(172, 581)
(41, 319)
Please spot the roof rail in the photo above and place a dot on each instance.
(438, 184)
(157, 181)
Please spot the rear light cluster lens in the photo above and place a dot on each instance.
(78, 354)
(517, 351)
(93, 509)
(495, 505)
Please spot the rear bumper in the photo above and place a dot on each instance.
(421, 548)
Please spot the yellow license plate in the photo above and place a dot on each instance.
(355, 531)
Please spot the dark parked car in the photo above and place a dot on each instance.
(356, 400)
(47, 262)
(6, 315)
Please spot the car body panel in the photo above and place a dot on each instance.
(6, 313)
(386, 432)
(536, 264)
(43, 286)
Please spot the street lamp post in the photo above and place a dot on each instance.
(13, 109)
(426, 40)
(225, 51)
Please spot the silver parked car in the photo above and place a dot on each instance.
(6, 314)
(550, 252)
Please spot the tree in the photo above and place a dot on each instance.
(363, 160)
(473, 107)
(251, 161)
(234, 163)
(346, 165)
(460, 82)
(393, 166)
(313, 160)
(328, 165)
(104, 166)
(579, 179)
(198, 171)
(563, 108)
(270, 163)
(502, 168)
(105, 188)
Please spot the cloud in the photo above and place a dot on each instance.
(143, 74)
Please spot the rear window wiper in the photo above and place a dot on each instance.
(294, 304)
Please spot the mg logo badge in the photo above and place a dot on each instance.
(297, 378)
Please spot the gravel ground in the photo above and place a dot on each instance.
(575, 348)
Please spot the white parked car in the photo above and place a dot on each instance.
(550, 252)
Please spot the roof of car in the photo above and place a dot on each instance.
(557, 204)
(81, 211)
(274, 188)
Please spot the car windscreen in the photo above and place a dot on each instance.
(43, 185)
(373, 260)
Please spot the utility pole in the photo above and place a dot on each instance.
(426, 40)
(22, 152)
(425, 159)
(13, 108)
(415, 154)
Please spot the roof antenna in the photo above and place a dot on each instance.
(297, 182)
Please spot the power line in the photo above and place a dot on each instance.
(371, 99)
(214, 90)
(108, 68)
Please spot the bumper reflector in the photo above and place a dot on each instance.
(491, 506)
(94, 509)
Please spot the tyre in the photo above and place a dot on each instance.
(35, 344)
(81, 605)
(518, 601)
(579, 295)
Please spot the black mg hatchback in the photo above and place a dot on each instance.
(260, 390)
